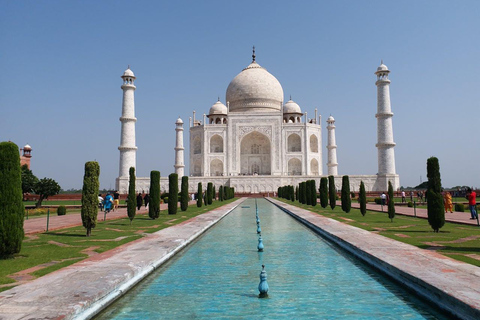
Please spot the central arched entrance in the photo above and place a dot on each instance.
(255, 154)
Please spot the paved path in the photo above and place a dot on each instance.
(81, 290)
(38, 225)
(453, 284)
(457, 217)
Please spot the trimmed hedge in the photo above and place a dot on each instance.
(154, 204)
(324, 192)
(346, 200)
(332, 192)
(362, 199)
(61, 211)
(173, 193)
(184, 194)
(459, 207)
(132, 197)
(90, 196)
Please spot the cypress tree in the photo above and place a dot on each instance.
(132, 197)
(303, 194)
(296, 193)
(225, 196)
(435, 206)
(184, 194)
(391, 203)
(362, 199)
(346, 200)
(90, 196)
(332, 192)
(199, 195)
(308, 192)
(324, 192)
(209, 193)
(12, 211)
(292, 193)
(154, 204)
(314, 192)
(214, 194)
(220, 193)
(172, 193)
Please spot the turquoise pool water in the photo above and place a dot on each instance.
(218, 275)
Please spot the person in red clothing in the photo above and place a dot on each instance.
(472, 202)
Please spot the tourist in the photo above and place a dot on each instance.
(116, 199)
(139, 201)
(100, 202)
(472, 202)
(403, 196)
(383, 198)
(108, 203)
(447, 201)
(146, 199)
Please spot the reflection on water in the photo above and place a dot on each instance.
(218, 276)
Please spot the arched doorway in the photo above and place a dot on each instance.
(216, 167)
(294, 167)
(255, 154)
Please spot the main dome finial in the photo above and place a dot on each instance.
(253, 55)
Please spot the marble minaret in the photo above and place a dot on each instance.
(332, 148)
(127, 147)
(179, 157)
(385, 144)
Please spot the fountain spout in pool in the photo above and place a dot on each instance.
(263, 285)
(260, 246)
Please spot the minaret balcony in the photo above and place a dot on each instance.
(128, 119)
(124, 148)
(384, 115)
(385, 145)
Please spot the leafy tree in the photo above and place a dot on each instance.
(362, 199)
(184, 194)
(220, 193)
(332, 192)
(199, 195)
(391, 203)
(45, 188)
(435, 206)
(90, 196)
(209, 193)
(28, 180)
(132, 197)
(154, 204)
(346, 200)
(324, 192)
(313, 191)
(173, 191)
(12, 211)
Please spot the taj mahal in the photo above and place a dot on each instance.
(256, 142)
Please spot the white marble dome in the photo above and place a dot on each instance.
(179, 121)
(218, 108)
(330, 119)
(382, 67)
(254, 89)
(27, 147)
(291, 107)
(128, 73)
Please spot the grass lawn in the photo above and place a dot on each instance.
(59, 202)
(46, 252)
(457, 241)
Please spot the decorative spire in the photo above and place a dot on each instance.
(218, 98)
(128, 67)
(381, 61)
(290, 97)
(253, 55)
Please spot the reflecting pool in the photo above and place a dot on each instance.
(218, 275)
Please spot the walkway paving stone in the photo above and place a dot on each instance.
(83, 289)
(452, 284)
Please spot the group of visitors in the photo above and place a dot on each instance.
(109, 203)
(142, 200)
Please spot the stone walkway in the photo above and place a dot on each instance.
(456, 217)
(38, 225)
(83, 289)
(452, 284)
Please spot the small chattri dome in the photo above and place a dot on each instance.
(218, 108)
(179, 121)
(128, 73)
(330, 119)
(382, 67)
(291, 107)
(27, 147)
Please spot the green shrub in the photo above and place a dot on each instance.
(173, 191)
(410, 204)
(90, 196)
(154, 205)
(352, 195)
(61, 211)
(184, 194)
(378, 200)
(435, 207)
(460, 207)
(12, 211)
(132, 197)
(165, 199)
(332, 192)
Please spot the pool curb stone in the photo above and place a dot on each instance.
(451, 285)
(84, 289)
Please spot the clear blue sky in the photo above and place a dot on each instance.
(61, 64)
